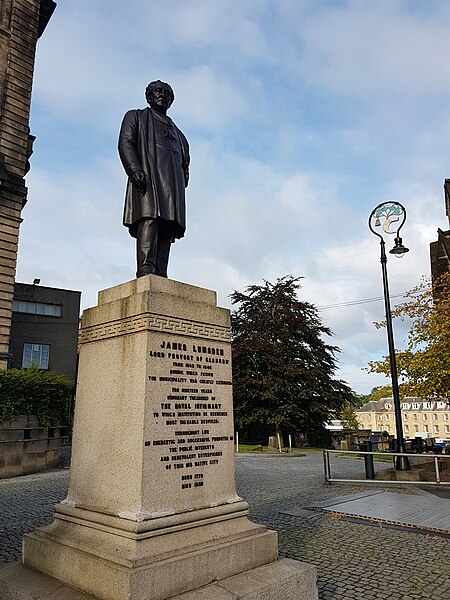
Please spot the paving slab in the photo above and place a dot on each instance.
(426, 512)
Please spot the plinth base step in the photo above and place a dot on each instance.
(285, 579)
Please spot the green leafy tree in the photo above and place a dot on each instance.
(376, 393)
(348, 417)
(282, 368)
(424, 367)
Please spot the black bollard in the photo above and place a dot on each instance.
(368, 460)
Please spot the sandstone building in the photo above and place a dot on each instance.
(421, 418)
(440, 250)
(22, 22)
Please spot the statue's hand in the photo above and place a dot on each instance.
(138, 179)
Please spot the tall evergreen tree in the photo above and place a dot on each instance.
(282, 368)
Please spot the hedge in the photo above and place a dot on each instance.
(31, 391)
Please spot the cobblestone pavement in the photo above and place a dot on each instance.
(26, 503)
(354, 561)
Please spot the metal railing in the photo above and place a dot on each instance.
(369, 468)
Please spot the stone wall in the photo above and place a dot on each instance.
(25, 447)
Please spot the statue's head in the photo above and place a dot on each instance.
(159, 95)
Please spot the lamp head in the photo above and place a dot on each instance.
(399, 249)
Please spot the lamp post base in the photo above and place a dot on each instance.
(402, 463)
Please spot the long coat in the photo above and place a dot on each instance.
(154, 145)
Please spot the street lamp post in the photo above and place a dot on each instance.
(391, 212)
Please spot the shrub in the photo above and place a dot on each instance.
(31, 391)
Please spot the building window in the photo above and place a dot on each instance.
(425, 428)
(436, 429)
(446, 417)
(434, 417)
(406, 429)
(37, 308)
(37, 354)
(416, 428)
(415, 417)
(388, 429)
(387, 417)
(446, 428)
(405, 417)
(424, 417)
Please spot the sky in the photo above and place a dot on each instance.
(301, 115)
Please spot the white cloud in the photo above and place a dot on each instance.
(225, 26)
(301, 116)
(379, 49)
(210, 101)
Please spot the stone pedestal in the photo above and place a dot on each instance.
(152, 510)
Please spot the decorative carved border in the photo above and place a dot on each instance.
(154, 323)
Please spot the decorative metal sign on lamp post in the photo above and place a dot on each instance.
(385, 215)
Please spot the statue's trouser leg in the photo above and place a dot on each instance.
(146, 247)
(153, 238)
(164, 242)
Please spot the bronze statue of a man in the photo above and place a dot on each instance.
(155, 156)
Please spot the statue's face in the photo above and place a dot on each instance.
(161, 97)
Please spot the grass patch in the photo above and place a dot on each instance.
(379, 457)
(266, 450)
(256, 448)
